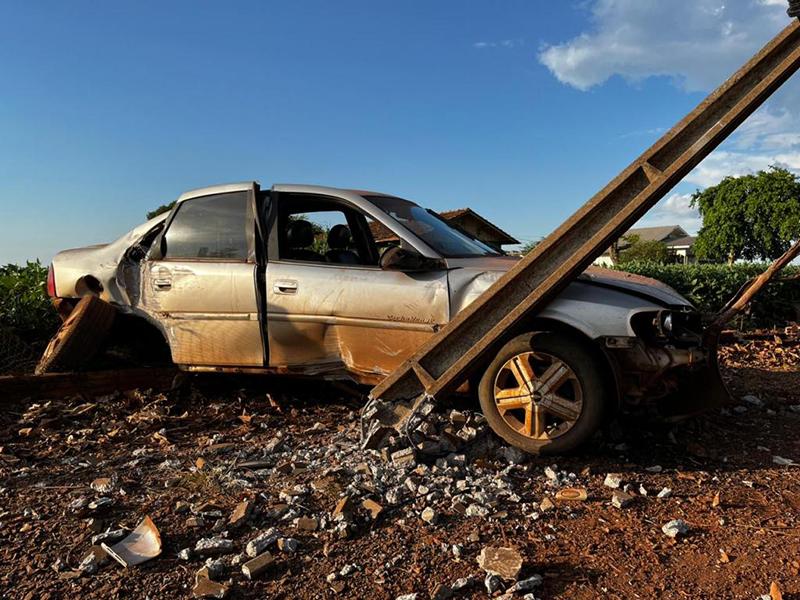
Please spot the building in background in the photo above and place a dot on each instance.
(674, 237)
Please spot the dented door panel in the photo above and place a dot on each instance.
(360, 318)
(208, 309)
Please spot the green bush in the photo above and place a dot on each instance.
(25, 308)
(710, 287)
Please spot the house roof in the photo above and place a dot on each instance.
(501, 236)
(682, 242)
(649, 234)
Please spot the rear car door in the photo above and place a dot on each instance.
(200, 280)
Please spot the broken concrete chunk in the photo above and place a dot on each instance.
(240, 514)
(102, 485)
(675, 528)
(306, 523)
(109, 536)
(620, 499)
(613, 480)
(344, 508)
(207, 588)
(262, 541)
(572, 494)
(142, 544)
(546, 505)
(213, 546)
(525, 585)
(429, 515)
(288, 545)
(501, 561)
(403, 457)
(256, 566)
(372, 507)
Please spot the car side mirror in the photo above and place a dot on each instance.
(409, 261)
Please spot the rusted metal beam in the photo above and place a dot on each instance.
(58, 385)
(749, 291)
(440, 364)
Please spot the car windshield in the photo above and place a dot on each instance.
(431, 228)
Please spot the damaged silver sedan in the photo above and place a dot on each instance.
(291, 280)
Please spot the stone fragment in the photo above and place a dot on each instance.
(288, 545)
(546, 505)
(664, 493)
(620, 499)
(213, 546)
(753, 401)
(102, 485)
(93, 560)
(306, 523)
(261, 542)
(492, 583)
(525, 585)
(429, 515)
(675, 528)
(403, 457)
(501, 561)
(240, 514)
(100, 503)
(256, 566)
(185, 554)
(109, 536)
(348, 570)
(204, 587)
(372, 507)
(412, 596)
(572, 494)
(344, 508)
(613, 480)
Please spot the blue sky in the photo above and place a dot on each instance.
(521, 109)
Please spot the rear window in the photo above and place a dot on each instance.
(209, 227)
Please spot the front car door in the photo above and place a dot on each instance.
(329, 304)
(200, 279)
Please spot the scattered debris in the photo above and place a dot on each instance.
(256, 566)
(500, 561)
(141, 545)
(213, 547)
(675, 528)
(613, 480)
(572, 494)
(620, 499)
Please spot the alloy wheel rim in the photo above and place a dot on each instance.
(538, 395)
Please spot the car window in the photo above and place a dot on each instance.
(209, 227)
(316, 229)
(431, 228)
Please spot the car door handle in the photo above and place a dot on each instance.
(162, 279)
(285, 286)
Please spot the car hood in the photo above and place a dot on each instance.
(474, 275)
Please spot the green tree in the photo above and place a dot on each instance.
(753, 217)
(635, 249)
(160, 210)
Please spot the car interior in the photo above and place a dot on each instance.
(313, 229)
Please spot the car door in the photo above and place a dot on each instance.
(200, 279)
(325, 315)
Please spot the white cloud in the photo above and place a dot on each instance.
(674, 210)
(696, 42)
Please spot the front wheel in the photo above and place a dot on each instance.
(544, 393)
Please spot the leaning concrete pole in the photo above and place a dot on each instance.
(442, 363)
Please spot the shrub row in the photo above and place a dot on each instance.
(709, 287)
(25, 309)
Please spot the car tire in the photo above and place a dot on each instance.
(583, 393)
(79, 338)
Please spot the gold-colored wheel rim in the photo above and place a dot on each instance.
(538, 395)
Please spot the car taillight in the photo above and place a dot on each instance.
(51, 282)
